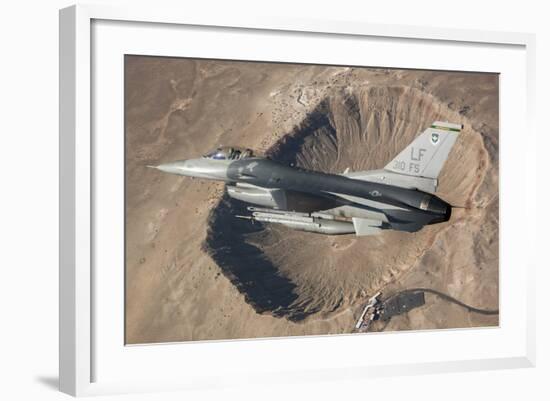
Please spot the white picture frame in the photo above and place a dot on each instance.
(80, 342)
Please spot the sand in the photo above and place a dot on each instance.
(194, 272)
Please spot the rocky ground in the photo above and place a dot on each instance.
(194, 272)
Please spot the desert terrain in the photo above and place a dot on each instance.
(195, 272)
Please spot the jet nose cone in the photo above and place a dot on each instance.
(172, 168)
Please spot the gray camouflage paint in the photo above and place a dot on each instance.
(398, 197)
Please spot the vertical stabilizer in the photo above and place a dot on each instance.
(426, 155)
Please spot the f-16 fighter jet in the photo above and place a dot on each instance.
(398, 197)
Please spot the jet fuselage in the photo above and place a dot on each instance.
(401, 196)
(336, 194)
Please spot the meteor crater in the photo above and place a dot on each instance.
(292, 274)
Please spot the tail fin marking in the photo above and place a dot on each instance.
(426, 155)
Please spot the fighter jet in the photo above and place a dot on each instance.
(400, 196)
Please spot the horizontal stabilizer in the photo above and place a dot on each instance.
(365, 227)
(407, 227)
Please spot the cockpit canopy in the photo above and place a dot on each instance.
(229, 153)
